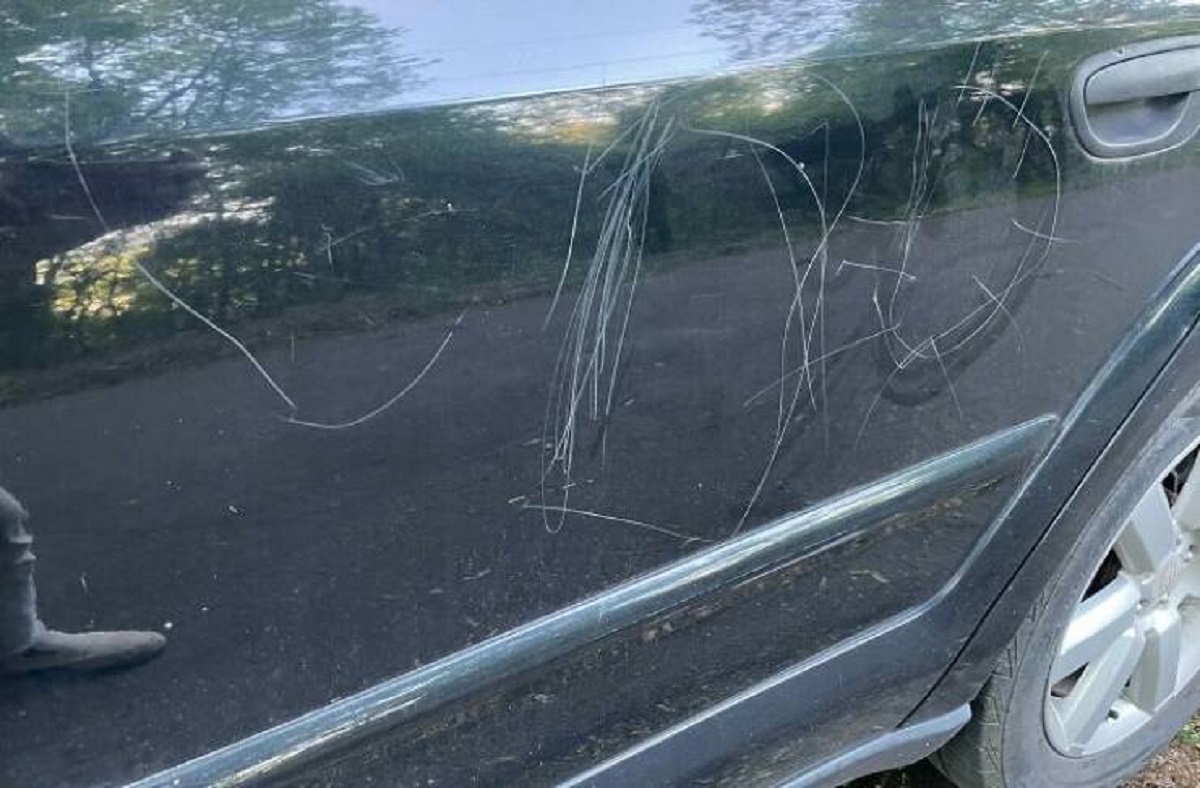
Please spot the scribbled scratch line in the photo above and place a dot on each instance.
(236, 343)
(900, 367)
(686, 538)
(584, 172)
(795, 314)
(391, 401)
(812, 331)
(583, 383)
(949, 380)
(151, 278)
(996, 302)
(991, 80)
(796, 308)
(920, 194)
(970, 71)
(922, 185)
(1021, 113)
(868, 267)
(1044, 234)
(758, 395)
(1003, 308)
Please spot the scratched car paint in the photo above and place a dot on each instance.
(338, 338)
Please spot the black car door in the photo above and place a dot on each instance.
(481, 394)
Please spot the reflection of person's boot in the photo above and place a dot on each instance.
(85, 651)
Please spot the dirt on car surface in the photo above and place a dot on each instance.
(1176, 767)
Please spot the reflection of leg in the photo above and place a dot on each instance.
(27, 646)
(18, 608)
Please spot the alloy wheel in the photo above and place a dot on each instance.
(1133, 640)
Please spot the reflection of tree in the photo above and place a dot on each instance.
(87, 71)
(762, 28)
(428, 206)
(766, 28)
(432, 209)
(145, 65)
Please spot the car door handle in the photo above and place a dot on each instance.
(1152, 76)
(1138, 99)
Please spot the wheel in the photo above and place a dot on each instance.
(1106, 666)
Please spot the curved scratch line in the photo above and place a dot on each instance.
(317, 425)
(151, 278)
(562, 279)
(1023, 269)
(565, 510)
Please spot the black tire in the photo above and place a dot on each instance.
(1005, 745)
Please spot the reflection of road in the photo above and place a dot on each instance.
(294, 566)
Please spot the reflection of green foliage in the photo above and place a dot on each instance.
(438, 206)
(428, 206)
(442, 206)
(152, 65)
(87, 71)
(427, 210)
(758, 28)
(1189, 735)
(762, 28)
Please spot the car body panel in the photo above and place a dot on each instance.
(343, 351)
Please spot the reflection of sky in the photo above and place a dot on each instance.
(518, 46)
(495, 48)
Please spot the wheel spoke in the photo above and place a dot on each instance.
(1127, 648)
(1187, 504)
(1098, 622)
(1082, 712)
(1150, 534)
(1157, 671)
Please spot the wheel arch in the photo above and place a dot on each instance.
(1152, 371)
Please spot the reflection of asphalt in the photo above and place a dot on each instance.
(292, 567)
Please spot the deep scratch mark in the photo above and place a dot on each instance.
(566, 510)
(584, 171)
(1021, 113)
(970, 71)
(938, 346)
(586, 370)
(949, 380)
(1007, 313)
(877, 222)
(1043, 236)
(869, 267)
(318, 425)
(812, 332)
(992, 80)
(226, 335)
(154, 280)
(831, 354)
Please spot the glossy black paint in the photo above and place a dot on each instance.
(395, 243)
(744, 591)
(945, 629)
